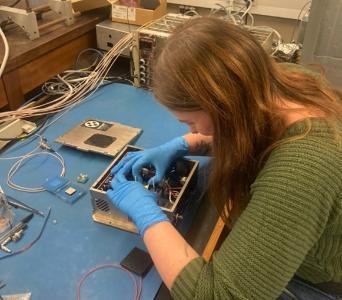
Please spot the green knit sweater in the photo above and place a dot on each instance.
(292, 225)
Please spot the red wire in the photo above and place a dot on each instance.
(137, 282)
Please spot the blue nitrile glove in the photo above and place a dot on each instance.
(160, 157)
(137, 202)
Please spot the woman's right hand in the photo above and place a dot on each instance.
(159, 157)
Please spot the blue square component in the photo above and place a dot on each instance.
(55, 183)
(64, 189)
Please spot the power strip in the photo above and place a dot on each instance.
(13, 129)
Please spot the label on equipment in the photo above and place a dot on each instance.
(123, 12)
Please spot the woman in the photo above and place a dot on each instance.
(275, 137)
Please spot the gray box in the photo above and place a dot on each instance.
(108, 33)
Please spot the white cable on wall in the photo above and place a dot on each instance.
(235, 11)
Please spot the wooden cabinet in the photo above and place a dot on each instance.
(3, 97)
(31, 63)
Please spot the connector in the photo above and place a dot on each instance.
(45, 146)
(28, 127)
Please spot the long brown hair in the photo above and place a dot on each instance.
(210, 65)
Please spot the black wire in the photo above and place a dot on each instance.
(15, 3)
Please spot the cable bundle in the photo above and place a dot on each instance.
(75, 93)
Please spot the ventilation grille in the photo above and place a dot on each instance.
(102, 205)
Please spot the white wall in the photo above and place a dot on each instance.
(276, 8)
(280, 15)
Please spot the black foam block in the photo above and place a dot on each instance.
(137, 261)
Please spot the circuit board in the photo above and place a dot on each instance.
(167, 189)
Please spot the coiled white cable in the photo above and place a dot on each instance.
(46, 150)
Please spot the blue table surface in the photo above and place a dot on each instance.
(72, 243)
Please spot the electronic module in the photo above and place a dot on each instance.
(148, 39)
(172, 191)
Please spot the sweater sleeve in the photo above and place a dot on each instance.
(290, 206)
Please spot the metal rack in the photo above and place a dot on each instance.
(26, 19)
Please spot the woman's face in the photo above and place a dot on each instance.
(198, 121)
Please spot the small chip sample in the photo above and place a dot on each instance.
(70, 191)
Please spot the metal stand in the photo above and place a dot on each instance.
(27, 19)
